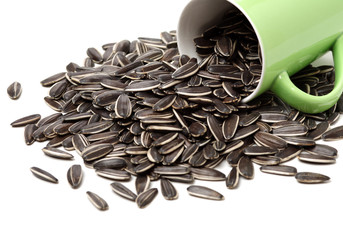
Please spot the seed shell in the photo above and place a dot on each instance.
(43, 175)
(74, 175)
(279, 170)
(310, 177)
(146, 197)
(57, 153)
(204, 192)
(123, 191)
(168, 190)
(97, 201)
(22, 122)
(14, 90)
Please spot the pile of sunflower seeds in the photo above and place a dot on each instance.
(141, 109)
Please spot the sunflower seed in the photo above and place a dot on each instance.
(310, 177)
(245, 167)
(145, 85)
(14, 90)
(80, 142)
(324, 150)
(142, 183)
(207, 174)
(215, 128)
(164, 103)
(292, 130)
(204, 192)
(333, 134)
(300, 141)
(146, 197)
(319, 131)
(173, 156)
(96, 127)
(168, 190)
(230, 126)
(28, 133)
(289, 153)
(171, 146)
(269, 160)
(43, 175)
(74, 176)
(97, 201)
(57, 153)
(259, 150)
(110, 163)
(194, 91)
(270, 140)
(22, 122)
(94, 55)
(232, 179)
(315, 158)
(48, 82)
(279, 170)
(245, 132)
(114, 174)
(96, 151)
(123, 191)
(185, 71)
(154, 156)
(171, 170)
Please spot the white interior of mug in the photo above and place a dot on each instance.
(200, 15)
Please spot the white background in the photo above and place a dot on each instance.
(38, 39)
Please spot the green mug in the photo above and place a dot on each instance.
(291, 33)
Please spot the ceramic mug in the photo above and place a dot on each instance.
(291, 33)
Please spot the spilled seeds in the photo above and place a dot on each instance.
(139, 109)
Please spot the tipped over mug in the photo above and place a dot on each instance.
(291, 34)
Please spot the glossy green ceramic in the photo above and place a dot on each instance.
(292, 34)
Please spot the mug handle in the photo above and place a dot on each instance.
(288, 92)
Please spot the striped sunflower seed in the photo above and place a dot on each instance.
(97, 201)
(14, 90)
(171, 170)
(168, 190)
(254, 150)
(185, 71)
(22, 122)
(310, 177)
(315, 158)
(322, 149)
(28, 133)
(146, 197)
(123, 191)
(230, 125)
(207, 174)
(245, 167)
(319, 131)
(145, 85)
(43, 175)
(279, 170)
(96, 151)
(204, 192)
(57, 153)
(142, 183)
(232, 179)
(74, 175)
(270, 140)
(215, 128)
(110, 163)
(333, 134)
(123, 108)
(114, 174)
